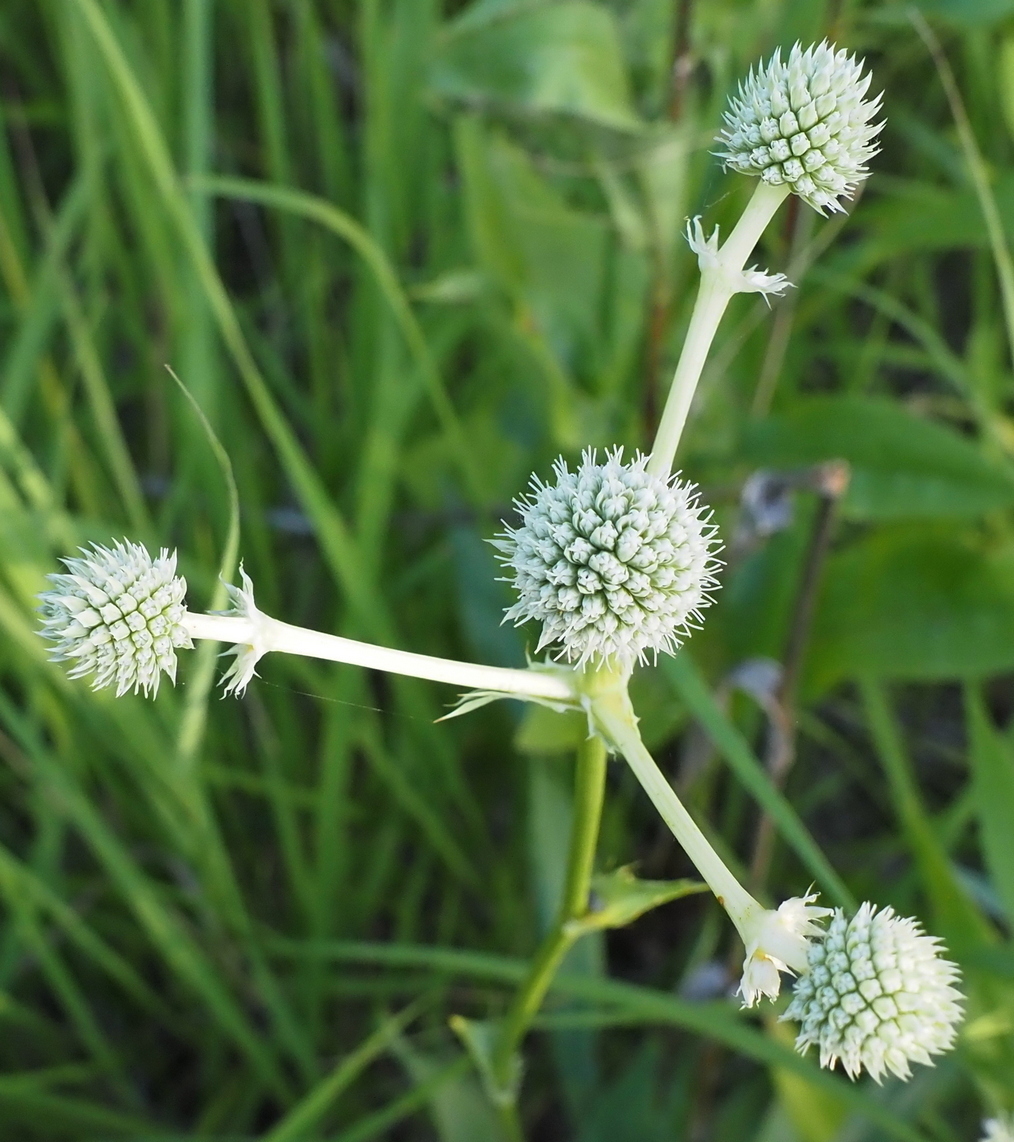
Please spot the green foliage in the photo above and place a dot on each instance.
(403, 253)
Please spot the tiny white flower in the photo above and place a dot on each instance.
(999, 1129)
(876, 994)
(779, 942)
(118, 614)
(739, 281)
(247, 654)
(805, 123)
(614, 562)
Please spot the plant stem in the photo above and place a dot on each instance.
(716, 290)
(266, 634)
(615, 716)
(589, 791)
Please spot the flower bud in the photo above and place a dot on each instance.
(877, 994)
(804, 123)
(613, 561)
(117, 614)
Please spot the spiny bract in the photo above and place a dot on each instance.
(804, 123)
(877, 995)
(117, 614)
(613, 561)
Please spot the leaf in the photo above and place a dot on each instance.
(968, 13)
(921, 216)
(460, 1111)
(561, 58)
(902, 466)
(992, 764)
(916, 604)
(618, 898)
(480, 1038)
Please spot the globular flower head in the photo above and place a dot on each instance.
(805, 123)
(779, 942)
(999, 1129)
(877, 994)
(613, 561)
(117, 614)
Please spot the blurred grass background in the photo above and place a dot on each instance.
(404, 253)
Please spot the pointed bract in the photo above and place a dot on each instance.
(779, 943)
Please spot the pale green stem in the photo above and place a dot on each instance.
(718, 284)
(266, 634)
(589, 791)
(614, 716)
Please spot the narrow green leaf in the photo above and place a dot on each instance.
(302, 1119)
(993, 782)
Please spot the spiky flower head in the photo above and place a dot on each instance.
(805, 123)
(877, 995)
(117, 614)
(999, 1129)
(614, 562)
(779, 942)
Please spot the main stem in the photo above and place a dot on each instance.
(718, 284)
(589, 790)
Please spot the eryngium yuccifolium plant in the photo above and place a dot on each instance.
(877, 995)
(805, 123)
(117, 614)
(615, 563)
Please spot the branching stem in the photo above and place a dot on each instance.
(716, 290)
(266, 634)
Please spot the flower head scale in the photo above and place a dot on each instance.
(805, 123)
(877, 994)
(999, 1129)
(117, 614)
(613, 561)
(780, 943)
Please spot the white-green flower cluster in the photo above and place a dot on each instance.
(999, 1129)
(805, 123)
(877, 995)
(614, 562)
(117, 614)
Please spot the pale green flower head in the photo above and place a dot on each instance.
(876, 994)
(999, 1129)
(118, 615)
(805, 123)
(615, 563)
